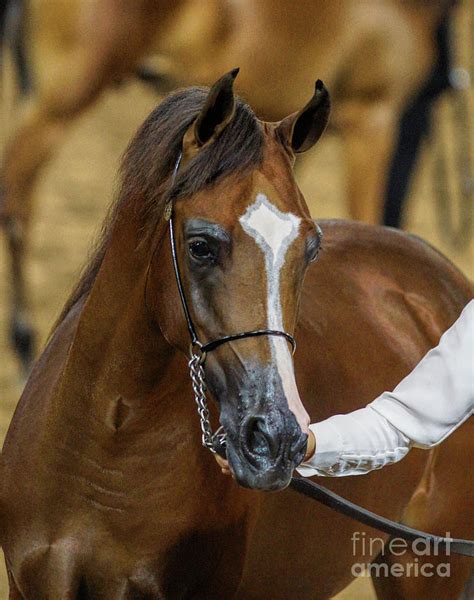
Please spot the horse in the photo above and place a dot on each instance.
(106, 490)
(76, 49)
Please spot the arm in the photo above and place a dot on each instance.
(426, 407)
(354, 444)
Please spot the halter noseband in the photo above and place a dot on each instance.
(215, 442)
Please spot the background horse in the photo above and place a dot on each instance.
(106, 491)
(364, 50)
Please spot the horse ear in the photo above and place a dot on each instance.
(217, 113)
(303, 129)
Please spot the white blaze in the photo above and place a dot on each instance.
(274, 231)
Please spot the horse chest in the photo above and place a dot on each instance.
(93, 542)
(94, 563)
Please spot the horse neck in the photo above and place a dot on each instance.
(118, 350)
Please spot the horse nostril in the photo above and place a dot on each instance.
(260, 441)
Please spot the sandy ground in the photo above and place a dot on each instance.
(78, 185)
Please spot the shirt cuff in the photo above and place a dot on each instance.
(329, 444)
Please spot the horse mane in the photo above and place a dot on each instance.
(150, 159)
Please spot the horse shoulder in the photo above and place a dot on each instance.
(375, 302)
(414, 275)
(29, 414)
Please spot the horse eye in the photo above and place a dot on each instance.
(200, 249)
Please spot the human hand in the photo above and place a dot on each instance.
(310, 447)
(223, 464)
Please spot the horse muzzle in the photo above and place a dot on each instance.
(266, 449)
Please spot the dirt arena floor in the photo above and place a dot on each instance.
(78, 186)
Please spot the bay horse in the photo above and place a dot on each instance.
(106, 491)
(75, 49)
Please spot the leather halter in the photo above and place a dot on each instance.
(215, 442)
(213, 344)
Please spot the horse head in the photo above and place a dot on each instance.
(243, 239)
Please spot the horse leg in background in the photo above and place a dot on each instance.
(368, 132)
(442, 504)
(67, 82)
(23, 158)
(12, 24)
(414, 127)
(19, 54)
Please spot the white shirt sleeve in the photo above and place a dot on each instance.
(426, 407)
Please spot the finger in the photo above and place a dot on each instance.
(311, 446)
(221, 462)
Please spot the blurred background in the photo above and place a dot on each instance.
(79, 77)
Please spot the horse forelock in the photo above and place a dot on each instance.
(149, 161)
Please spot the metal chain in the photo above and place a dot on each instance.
(210, 440)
